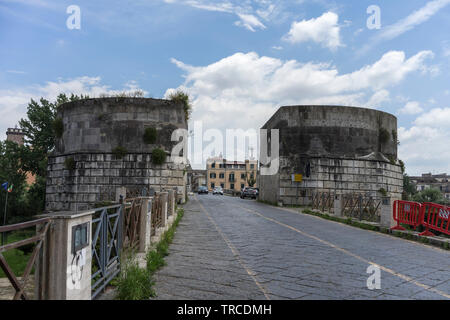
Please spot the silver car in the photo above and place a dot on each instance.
(218, 190)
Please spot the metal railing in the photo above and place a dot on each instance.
(107, 229)
(362, 207)
(323, 201)
(132, 217)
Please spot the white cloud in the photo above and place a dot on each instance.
(323, 30)
(412, 107)
(417, 17)
(246, 11)
(13, 103)
(424, 146)
(243, 90)
(250, 22)
(406, 24)
(435, 118)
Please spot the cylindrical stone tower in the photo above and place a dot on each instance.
(337, 149)
(106, 143)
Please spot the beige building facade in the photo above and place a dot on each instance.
(231, 175)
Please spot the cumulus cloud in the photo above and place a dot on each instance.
(424, 146)
(324, 30)
(412, 107)
(13, 103)
(244, 90)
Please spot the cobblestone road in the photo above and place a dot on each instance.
(229, 248)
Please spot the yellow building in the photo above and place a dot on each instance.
(231, 175)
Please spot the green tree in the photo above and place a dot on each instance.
(409, 189)
(10, 171)
(40, 133)
(429, 195)
(251, 180)
(39, 129)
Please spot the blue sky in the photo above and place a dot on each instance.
(240, 60)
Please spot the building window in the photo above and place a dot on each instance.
(232, 186)
(242, 175)
(212, 175)
(221, 175)
(242, 186)
(212, 185)
(213, 165)
(252, 166)
(231, 177)
(222, 185)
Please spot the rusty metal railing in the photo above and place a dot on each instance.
(132, 217)
(361, 207)
(323, 201)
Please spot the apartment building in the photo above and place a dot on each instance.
(231, 175)
(435, 181)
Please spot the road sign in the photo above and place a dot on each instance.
(297, 177)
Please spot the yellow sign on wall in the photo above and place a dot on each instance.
(297, 177)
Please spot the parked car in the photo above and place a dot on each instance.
(218, 190)
(202, 189)
(249, 193)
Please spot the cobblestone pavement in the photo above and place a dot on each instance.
(230, 248)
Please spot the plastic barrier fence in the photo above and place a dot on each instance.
(435, 217)
(407, 212)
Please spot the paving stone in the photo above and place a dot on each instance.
(289, 264)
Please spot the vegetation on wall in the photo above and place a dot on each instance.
(383, 192)
(70, 163)
(383, 135)
(124, 94)
(180, 96)
(119, 152)
(395, 137)
(150, 135)
(58, 127)
(158, 156)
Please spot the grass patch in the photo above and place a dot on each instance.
(136, 283)
(17, 259)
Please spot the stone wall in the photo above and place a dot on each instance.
(340, 176)
(93, 128)
(336, 149)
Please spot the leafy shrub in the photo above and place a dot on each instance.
(383, 135)
(58, 127)
(150, 135)
(158, 156)
(182, 97)
(70, 163)
(119, 152)
(135, 283)
(383, 192)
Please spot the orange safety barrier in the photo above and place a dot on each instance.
(407, 212)
(435, 217)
